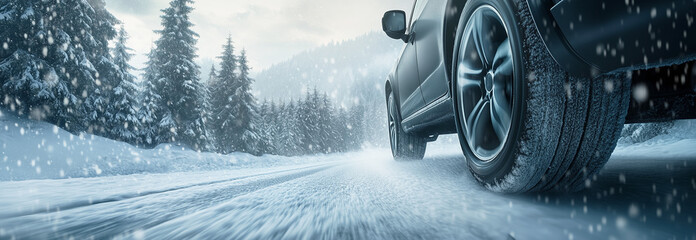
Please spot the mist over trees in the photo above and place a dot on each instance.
(310, 125)
(352, 72)
(56, 65)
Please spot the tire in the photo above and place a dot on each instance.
(404, 146)
(555, 131)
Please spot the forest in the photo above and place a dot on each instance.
(67, 63)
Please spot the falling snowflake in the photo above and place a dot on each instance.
(640, 93)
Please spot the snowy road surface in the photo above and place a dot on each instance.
(367, 195)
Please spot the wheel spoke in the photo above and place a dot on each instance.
(474, 119)
(500, 113)
(502, 63)
(469, 79)
(483, 39)
(468, 72)
(470, 63)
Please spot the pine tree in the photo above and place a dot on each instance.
(207, 109)
(122, 117)
(150, 105)
(179, 82)
(245, 137)
(290, 135)
(341, 125)
(274, 127)
(304, 127)
(266, 126)
(51, 59)
(212, 77)
(327, 131)
(222, 89)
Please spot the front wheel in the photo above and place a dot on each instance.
(525, 124)
(404, 146)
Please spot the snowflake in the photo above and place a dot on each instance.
(640, 93)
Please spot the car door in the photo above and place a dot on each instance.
(410, 96)
(427, 30)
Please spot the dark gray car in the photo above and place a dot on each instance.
(537, 90)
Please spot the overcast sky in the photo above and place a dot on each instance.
(270, 30)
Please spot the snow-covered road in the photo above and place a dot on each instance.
(363, 195)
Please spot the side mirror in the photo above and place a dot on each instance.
(394, 24)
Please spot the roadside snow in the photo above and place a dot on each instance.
(49, 195)
(35, 150)
(678, 143)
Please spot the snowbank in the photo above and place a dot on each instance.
(36, 150)
(677, 141)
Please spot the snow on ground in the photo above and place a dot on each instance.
(37, 150)
(679, 142)
(645, 192)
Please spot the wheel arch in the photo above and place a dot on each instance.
(389, 88)
(449, 33)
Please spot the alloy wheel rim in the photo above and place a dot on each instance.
(484, 81)
(392, 124)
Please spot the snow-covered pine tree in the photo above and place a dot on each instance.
(245, 136)
(342, 127)
(48, 57)
(222, 89)
(208, 116)
(327, 131)
(288, 120)
(151, 106)
(212, 76)
(108, 73)
(304, 124)
(179, 77)
(274, 127)
(266, 126)
(122, 115)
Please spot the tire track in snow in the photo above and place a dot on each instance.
(111, 219)
(121, 197)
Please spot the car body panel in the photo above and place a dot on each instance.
(408, 88)
(591, 37)
(428, 27)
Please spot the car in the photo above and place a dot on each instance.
(538, 91)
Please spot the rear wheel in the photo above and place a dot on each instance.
(404, 146)
(524, 123)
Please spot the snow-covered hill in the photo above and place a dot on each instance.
(37, 150)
